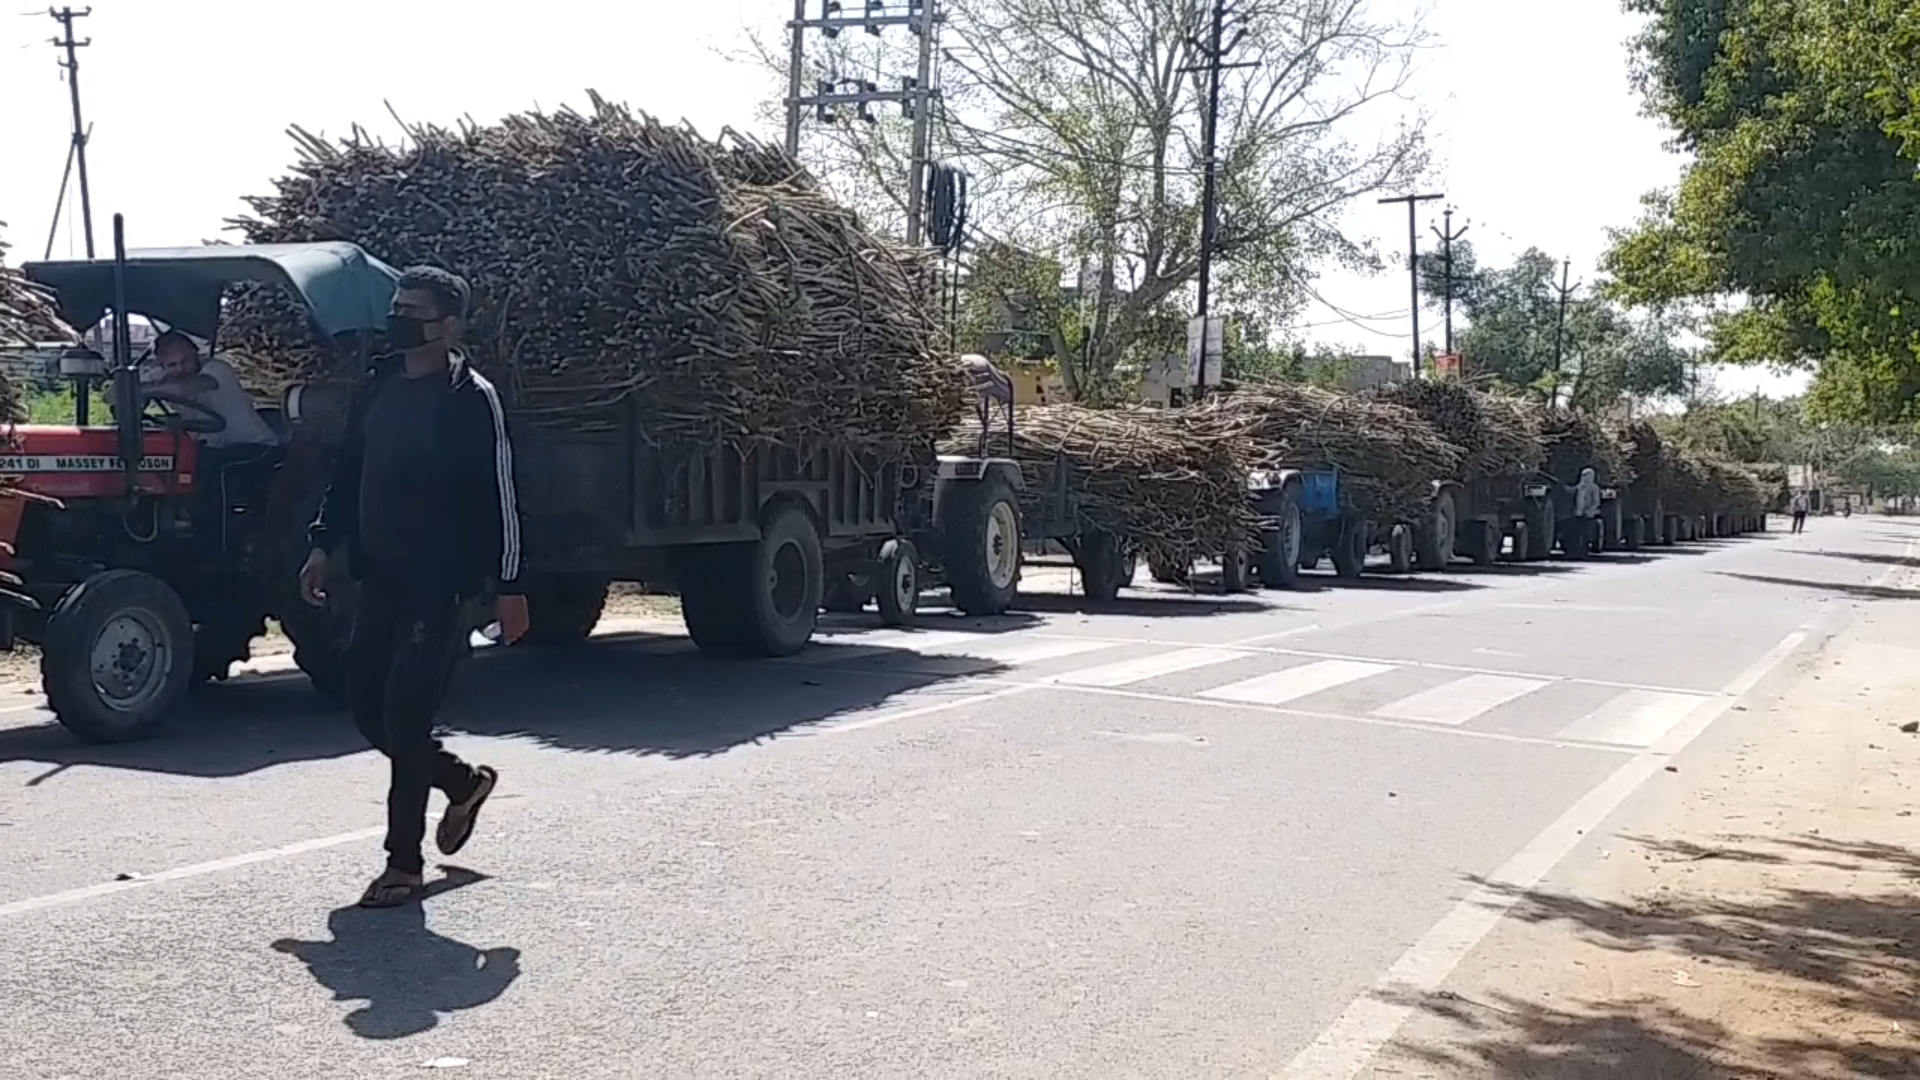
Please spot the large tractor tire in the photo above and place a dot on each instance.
(1433, 543)
(981, 545)
(117, 656)
(762, 598)
(1400, 550)
(1278, 561)
(563, 610)
(1487, 538)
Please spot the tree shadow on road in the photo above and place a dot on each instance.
(405, 973)
(1844, 964)
(1874, 557)
(1858, 592)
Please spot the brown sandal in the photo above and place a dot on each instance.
(393, 889)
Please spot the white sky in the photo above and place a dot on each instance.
(1540, 142)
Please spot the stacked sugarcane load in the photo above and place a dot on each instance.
(1498, 436)
(1575, 440)
(1387, 455)
(613, 257)
(1170, 484)
(28, 316)
(1646, 463)
(1772, 478)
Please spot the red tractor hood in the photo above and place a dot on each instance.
(84, 463)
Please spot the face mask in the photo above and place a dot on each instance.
(405, 333)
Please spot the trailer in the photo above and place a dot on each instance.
(1499, 516)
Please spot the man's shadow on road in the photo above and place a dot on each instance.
(407, 974)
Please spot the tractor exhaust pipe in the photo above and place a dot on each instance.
(126, 385)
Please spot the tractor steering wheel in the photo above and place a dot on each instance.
(196, 417)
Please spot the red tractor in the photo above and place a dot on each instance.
(144, 588)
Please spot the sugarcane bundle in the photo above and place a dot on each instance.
(28, 315)
(1171, 487)
(1772, 478)
(1575, 441)
(1686, 487)
(1387, 455)
(614, 257)
(1645, 454)
(1497, 435)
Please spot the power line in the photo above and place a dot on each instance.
(78, 149)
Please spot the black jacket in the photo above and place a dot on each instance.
(476, 458)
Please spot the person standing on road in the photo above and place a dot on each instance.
(1586, 507)
(422, 504)
(1799, 510)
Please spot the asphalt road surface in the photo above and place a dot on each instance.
(1186, 837)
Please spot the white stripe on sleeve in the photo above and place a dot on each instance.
(503, 477)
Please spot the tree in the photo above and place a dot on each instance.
(1795, 219)
(1081, 119)
(1513, 334)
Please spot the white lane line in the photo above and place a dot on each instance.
(1460, 700)
(1356, 1037)
(110, 888)
(1152, 666)
(894, 716)
(1635, 718)
(1279, 687)
(1467, 669)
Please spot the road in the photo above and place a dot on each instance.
(1186, 837)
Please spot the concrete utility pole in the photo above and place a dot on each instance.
(1560, 326)
(78, 151)
(1447, 237)
(915, 96)
(1413, 261)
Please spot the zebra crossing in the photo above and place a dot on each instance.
(1534, 707)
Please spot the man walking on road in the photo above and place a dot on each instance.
(1799, 510)
(422, 505)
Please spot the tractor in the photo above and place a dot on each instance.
(141, 587)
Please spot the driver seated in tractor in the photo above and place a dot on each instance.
(245, 441)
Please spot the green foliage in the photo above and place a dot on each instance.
(1803, 117)
(1512, 333)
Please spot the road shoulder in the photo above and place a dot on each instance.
(1758, 918)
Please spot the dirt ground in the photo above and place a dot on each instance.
(1761, 921)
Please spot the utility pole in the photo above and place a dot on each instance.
(1560, 325)
(65, 16)
(1215, 49)
(915, 96)
(1447, 237)
(1413, 261)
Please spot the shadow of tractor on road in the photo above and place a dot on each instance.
(1818, 956)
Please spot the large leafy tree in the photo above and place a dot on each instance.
(1796, 221)
(1080, 122)
(1509, 329)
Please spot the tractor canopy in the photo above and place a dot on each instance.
(342, 287)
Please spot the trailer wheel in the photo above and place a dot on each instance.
(1520, 541)
(1278, 562)
(117, 657)
(1166, 573)
(564, 610)
(899, 594)
(1236, 571)
(1433, 545)
(1541, 530)
(981, 543)
(1350, 551)
(1400, 549)
(1101, 565)
(760, 599)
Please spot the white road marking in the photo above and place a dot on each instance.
(894, 716)
(1282, 686)
(1356, 1037)
(1460, 700)
(1635, 718)
(1151, 666)
(1016, 650)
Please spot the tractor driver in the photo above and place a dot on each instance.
(245, 440)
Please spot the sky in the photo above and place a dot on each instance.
(1538, 134)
